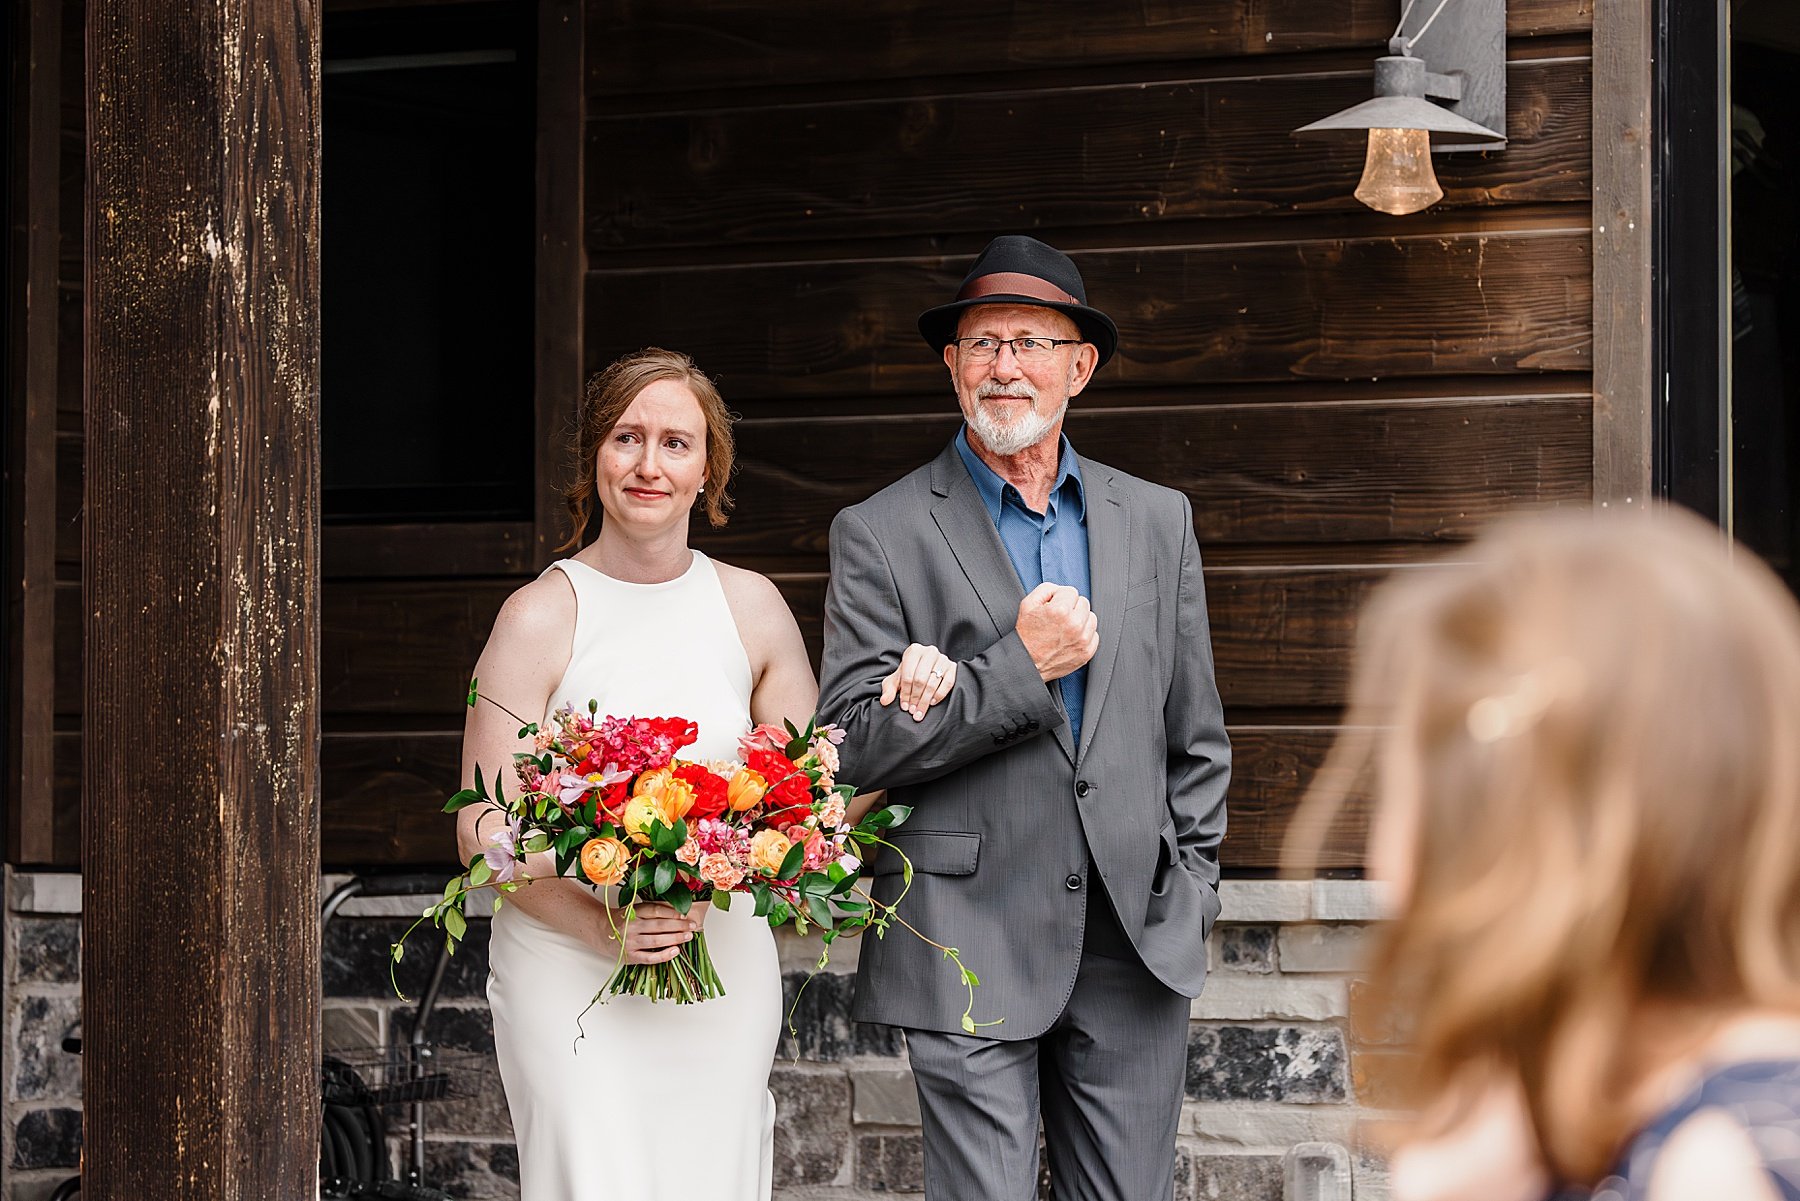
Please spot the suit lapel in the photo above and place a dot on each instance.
(1109, 566)
(969, 530)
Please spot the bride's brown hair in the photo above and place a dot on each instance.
(609, 393)
(1588, 741)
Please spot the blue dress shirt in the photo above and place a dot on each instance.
(1051, 545)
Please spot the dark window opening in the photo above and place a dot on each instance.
(427, 248)
(1764, 157)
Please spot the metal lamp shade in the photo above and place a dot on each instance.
(1403, 112)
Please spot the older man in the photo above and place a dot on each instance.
(1068, 793)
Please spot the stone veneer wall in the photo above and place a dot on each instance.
(1272, 1075)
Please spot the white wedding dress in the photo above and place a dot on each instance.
(644, 1101)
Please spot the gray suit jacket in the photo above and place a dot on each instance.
(1006, 808)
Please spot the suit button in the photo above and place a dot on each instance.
(1081, 788)
(1074, 883)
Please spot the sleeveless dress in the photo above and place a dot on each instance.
(1761, 1096)
(654, 1101)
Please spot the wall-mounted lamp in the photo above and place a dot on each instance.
(1453, 100)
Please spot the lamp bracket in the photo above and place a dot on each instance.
(1443, 87)
(1465, 52)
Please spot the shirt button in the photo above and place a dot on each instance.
(1081, 788)
(1074, 883)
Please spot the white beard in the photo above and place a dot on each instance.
(1009, 438)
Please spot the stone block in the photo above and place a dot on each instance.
(47, 1138)
(885, 1097)
(812, 1125)
(1245, 948)
(1236, 1127)
(1316, 1172)
(473, 1171)
(44, 892)
(1292, 1064)
(1381, 1077)
(1314, 948)
(463, 1037)
(47, 950)
(42, 1070)
(355, 960)
(1265, 901)
(822, 1019)
(890, 1163)
(1348, 901)
(800, 952)
(1371, 1172)
(1373, 1024)
(1203, 1177)
(1233, 997)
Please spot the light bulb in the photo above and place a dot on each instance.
(1397, 177)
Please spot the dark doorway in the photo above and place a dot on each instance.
(428, 296)
(1764, 165)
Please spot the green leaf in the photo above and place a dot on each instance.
(474, 690)
(780, 913)
(399, 949)
(968, 1024)
(682, 899)
(480, 788)
(479, 872)
(971, 979)
(450, 887)
(791, 862)
(499, 899)
(905, 870)
(820, 910)
(665, 876)
(462, 800)
(721, 900)
(455, 924)
(763, 899)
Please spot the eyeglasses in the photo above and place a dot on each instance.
(1026, 350)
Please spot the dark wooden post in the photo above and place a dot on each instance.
(31, 428)
(200, 747)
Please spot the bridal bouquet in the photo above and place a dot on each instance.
(613, 798)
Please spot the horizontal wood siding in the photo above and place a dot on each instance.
(780, 188)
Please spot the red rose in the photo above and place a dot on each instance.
(711, 794)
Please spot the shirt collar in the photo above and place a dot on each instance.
(992, 488)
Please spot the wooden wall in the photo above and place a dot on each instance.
(779, 189)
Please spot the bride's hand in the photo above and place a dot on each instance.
(924, 677)
(652, 931)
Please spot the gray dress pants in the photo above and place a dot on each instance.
(1106, 1079)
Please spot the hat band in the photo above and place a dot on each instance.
(1014, 283)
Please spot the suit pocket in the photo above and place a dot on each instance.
(1168, 859)
(1140, 592)
(937, 853)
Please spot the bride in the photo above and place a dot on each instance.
(654, 1101)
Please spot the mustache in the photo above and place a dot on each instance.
(993, 387)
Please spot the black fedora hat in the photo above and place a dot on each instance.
(1018, 270)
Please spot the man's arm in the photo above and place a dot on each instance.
(998, 695)
(1199, 762)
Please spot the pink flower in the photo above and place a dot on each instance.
(831, 812)
(689, 853)
(763, 738)
(720, 873)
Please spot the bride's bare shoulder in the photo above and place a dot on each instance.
(750, 589)
(757, 605)
(538, 614)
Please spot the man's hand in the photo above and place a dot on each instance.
(1059, 630)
